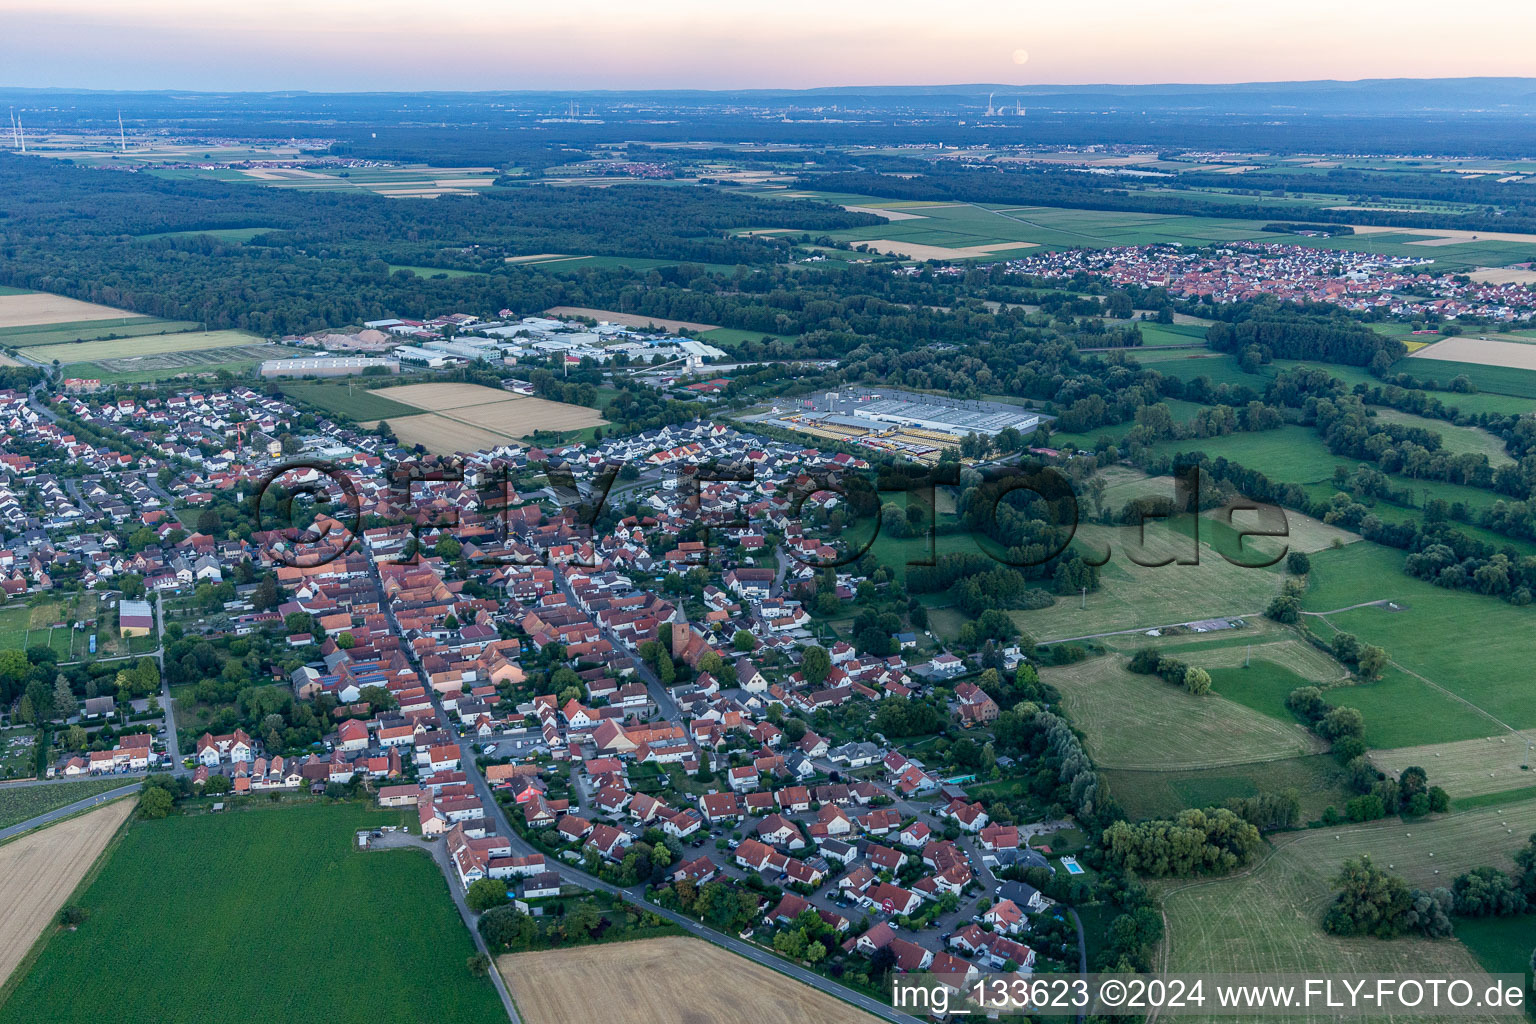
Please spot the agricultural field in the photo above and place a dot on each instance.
(41, 869)
(1460, 645)
(639, 320)
(1268, 919)
(90, 330)
(1139, 722)
(1296, 454)
(122, 349)
(1454, 439)
(1488, 764)
(658, 981)
(29, 309)
(241, 235)
(469, 417)
(1132, 596)
(18, 803)
(1317, 778)
(349, 398)
(287, 880)
(1517, 379)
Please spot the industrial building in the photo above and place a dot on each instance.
(325, 366)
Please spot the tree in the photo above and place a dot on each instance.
(743, 641)
(75, 738)
(479, 964)
(485, 893)
(345, 640)
(64, 705)
(216, 785)
(25, 712)
(1297, 563)
(1197, 681)
(1487, 892)
(156, 801)
(267, 594)
(448, 547)
(1370, 901)
(1371, 661)
(815, 663)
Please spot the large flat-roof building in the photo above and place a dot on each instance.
(325, 366)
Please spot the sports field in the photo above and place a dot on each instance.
(31, 308)
(140, 347)
(1133, 721)
(672, 980)
(42, 868)
(470, 417)
(1268, 919)
(266, 913)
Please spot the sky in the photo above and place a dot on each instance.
(410, 45)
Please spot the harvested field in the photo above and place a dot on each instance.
(1463, 349)
(43, 308)
(628, 319)
(1490, 764)
(919, 251)
(443, 436)
(887, 214)
(42, 868)
(657, 981)
(152, 345)
(470, 417)
(1268, 919)
(1134, 721)
(445, 397)
(1504, 275)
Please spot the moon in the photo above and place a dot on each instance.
(1021, 56)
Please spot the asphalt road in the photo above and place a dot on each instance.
(67, 810)
(633, 895)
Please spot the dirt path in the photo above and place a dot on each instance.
(40, 870)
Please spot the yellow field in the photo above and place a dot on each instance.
(1463, 349)
(628, 319)
(144, 345)
(40, 870)
(444, 397)
(471, 417)
(1503, 275)
(37, 308)
(673, 980)
(919, 251)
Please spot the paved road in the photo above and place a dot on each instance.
(659, 695)
(636, 894)
(438, 851)
(67, 810)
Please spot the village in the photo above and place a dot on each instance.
(547, 697)
(1234, 272)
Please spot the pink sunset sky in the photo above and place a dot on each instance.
(336, 45)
